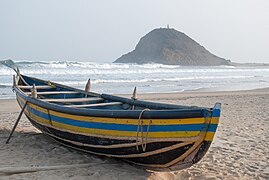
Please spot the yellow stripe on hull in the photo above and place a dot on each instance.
(115, 133)
(209, 136)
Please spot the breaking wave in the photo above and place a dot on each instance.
(121, 78)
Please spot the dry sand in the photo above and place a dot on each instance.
(240, 149)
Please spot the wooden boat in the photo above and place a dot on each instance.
(156, 136)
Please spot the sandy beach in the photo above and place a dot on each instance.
(240, 149)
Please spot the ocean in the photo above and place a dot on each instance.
(148, 78)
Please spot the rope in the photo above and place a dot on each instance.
(140, 129)
(208, 118)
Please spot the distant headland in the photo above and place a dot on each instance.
(171, 47)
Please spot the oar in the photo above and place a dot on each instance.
(9, 63)
(16, 123)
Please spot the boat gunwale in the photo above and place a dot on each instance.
(171, 112)
(119, 98)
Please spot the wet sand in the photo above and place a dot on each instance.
(240, 149)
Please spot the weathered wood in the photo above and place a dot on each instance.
(37, 87)
(134, 97)
(94, 105)
(54, 92)
(88, 86)
(34, 91)
(14, 80)
(16, 123)
(74, 100)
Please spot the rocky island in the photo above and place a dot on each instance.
(171, 47)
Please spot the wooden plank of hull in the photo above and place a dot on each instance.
(161, 161)
(95, 142)
(54, 92)
(162, 158)
(70, 100)
(83, 139)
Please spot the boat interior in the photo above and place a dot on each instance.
(71, 97)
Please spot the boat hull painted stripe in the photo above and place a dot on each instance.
(122, 127)
(115, 126)
(215, 120)
(115, 133)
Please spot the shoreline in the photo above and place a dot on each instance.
(192, 93)
(240, 149)
(167, 96)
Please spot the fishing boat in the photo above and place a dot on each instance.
(156, 136)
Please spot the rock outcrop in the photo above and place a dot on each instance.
(169, 46)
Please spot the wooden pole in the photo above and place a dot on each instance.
(34, 91)
(14, 81)
(88, 86)
(134, 97)
(16, 123)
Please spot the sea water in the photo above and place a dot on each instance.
(148, 78)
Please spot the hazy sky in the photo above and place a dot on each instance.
(103, 30)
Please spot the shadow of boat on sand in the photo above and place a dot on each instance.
(35, 153)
